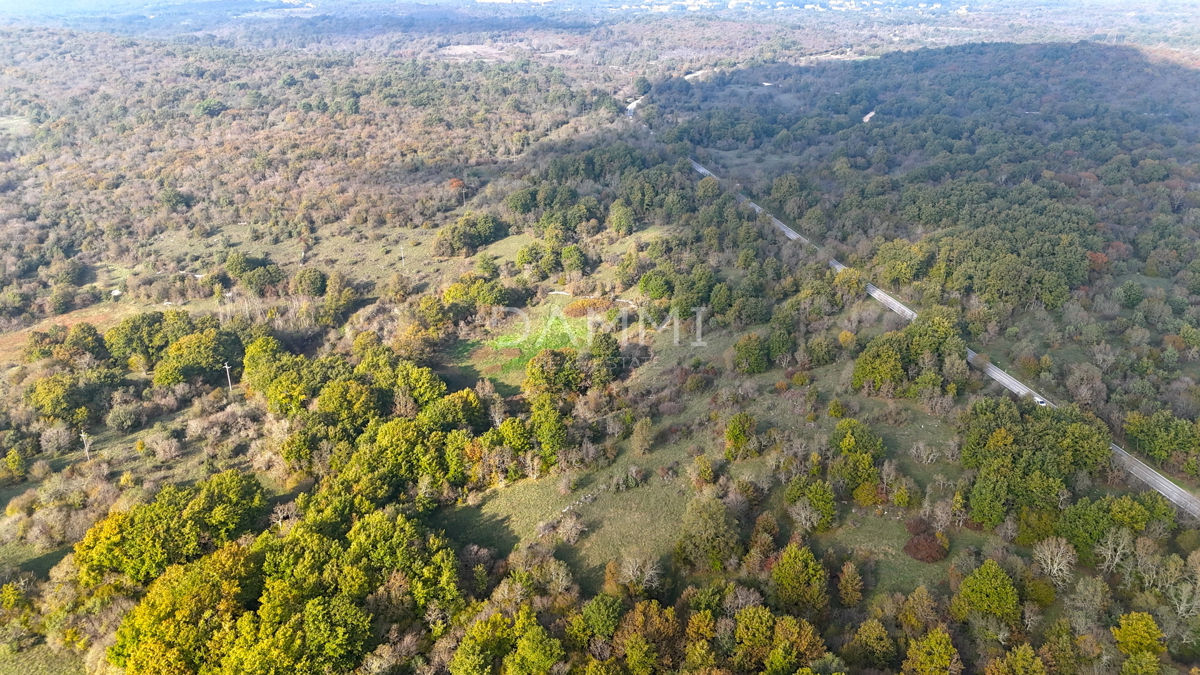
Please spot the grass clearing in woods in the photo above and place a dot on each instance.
(103, 315)
(41, 660)
(15, 125)
(882, 539)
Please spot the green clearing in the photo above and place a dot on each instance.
(882, 540)
(372, 257)
(502, 358)
(103, 315)
(645, 519)
(41, 660)
(15, 125)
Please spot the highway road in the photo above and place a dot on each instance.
(1182, 499)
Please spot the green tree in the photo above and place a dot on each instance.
(549, 427)
(16, 462)
(553, 371)
(820, 497)
(602, 614)
(643, 436)
(656, 284)
(264, 360)
(335, 632)
(605, 359)
(750, 354)
(933, 654)
(620, 217)
(1142, 663)
(348, 407)
(209, 107)
(881, 362)
(707, 535)
(198, 355)
(516, 434)
(140, 335)
(340, 296)
(142, 542)
(184, 612)
(754, 633)
(535, 652)
(1131, 293)
(573, 259)
(738, 431)
(800, 582)
(988, 590)
(309, 281)
(852, 436)
(708, 189)
(850, 585)
(872, 646)
(1020, 661)
(485, 641)
(227, 504)
(56, 397)
(1137, 634)
(83, 338)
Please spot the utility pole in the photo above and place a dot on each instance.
(229, 379)
(87, 444)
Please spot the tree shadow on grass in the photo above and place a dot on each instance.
(42, 564)
(470, 525)
(589, 577)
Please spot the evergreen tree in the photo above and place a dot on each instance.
(800, 582)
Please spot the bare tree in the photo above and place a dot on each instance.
(1114, 549)
(1185, 598)
(1008, 529)
(1086, 384)
(1103, 356)
(1031, 616)
(1087, 602)
(1057, 558)
(56, 439)
(1148, 560)
(943, 514)
(570, 528)
(805, 516)
(923, 453)
(641, 572)
(284, 514)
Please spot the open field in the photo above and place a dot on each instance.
(502, 357)
(14, 125)
(882, 539)
(41, 660)
(645, 519)
(103, 315)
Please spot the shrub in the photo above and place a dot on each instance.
(1039, 591)
(738, 432)
(40, 470)
(866, 494)
(751, 355)
(56, 439)
(926, 548)
(836, 409)
(124, 417)
(671, 408)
